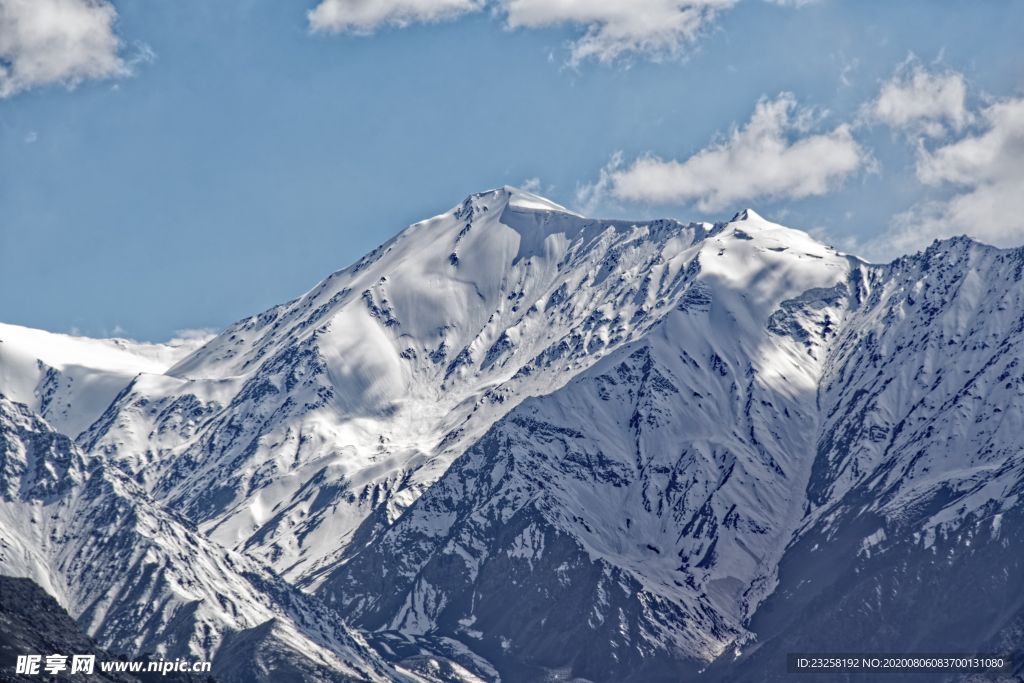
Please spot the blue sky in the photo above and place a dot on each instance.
(178, 164)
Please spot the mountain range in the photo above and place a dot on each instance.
(513, 443)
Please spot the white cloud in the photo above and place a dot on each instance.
(985, 171)
(991, 156)
(918, 101)
(659, 28)
(362, 16)
(56, 41)
(611, 28)
(756, 161)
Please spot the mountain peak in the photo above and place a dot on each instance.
(522, 200)
(747, 215)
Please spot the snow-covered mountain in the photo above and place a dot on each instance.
(543, 445)
(633, 518)
(298, 431)
(759, 441)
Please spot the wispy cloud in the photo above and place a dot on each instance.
(593, 195)
(774, 155)
(45, 42)
(195, 337)
(531, 185)
(847, 68)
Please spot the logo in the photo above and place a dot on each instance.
(54, 664)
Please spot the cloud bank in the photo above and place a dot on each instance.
(43, 42)
(985, 172)
(971, 159)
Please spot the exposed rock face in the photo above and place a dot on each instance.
(31, 622)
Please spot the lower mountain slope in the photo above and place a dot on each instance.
(140, 579)
(962, 594)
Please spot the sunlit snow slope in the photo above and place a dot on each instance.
(313, 425)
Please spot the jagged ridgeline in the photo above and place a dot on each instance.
(513, 442)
